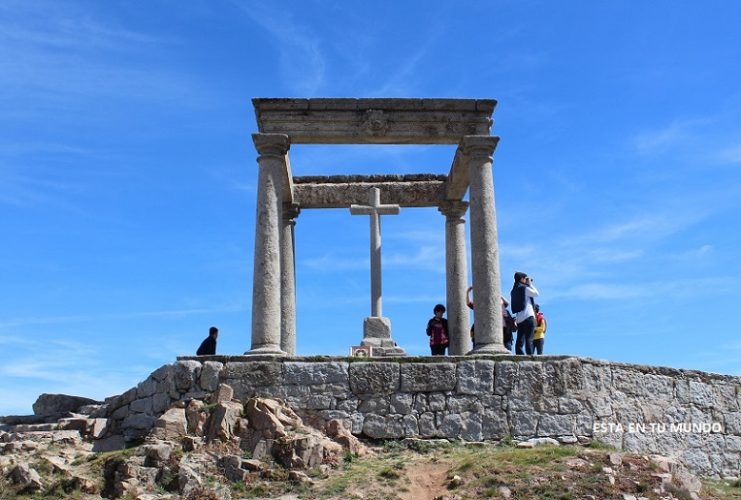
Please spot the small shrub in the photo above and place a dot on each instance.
(389, 473)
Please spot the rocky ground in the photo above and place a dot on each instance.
(222, 448)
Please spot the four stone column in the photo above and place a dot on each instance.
(266, 291)
(274, 289)
(456, 276)
(487, 293)
(288, 279)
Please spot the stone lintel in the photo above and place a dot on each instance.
(375, 121)
(459, 176)
(428, 193)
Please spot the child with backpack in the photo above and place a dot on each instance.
(437, 330)
(541, 325)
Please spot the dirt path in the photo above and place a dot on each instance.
(427, 481)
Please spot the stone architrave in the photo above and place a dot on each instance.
(456, 276)
(266, 302)
(478, 151)
(376, 328)
(288, 280)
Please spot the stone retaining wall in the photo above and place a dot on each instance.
(636, 408)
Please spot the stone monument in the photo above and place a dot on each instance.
(281, 196)
(376, 328)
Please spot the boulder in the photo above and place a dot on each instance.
(344, 437)
(172, 424)
(195, 416)
(223, 393)
(57, 404)
(26, 478)
(223, 420)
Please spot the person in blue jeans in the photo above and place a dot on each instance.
(522, 300)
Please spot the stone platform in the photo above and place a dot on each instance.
(690, 415)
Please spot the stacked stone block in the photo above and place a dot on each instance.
(473, 399)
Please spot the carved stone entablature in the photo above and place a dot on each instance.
(376, 122)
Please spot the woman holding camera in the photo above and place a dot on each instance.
(523, 298)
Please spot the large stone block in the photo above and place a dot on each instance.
(505, 374)
(475, 377)
(426, 425)
(563, 377)
(401, 403)
(556, 425)
(302, 373)
(374, 378)
(524, 423)
(246, 377)
(383, 427)
(185, 374)
(209, 380)
(428, 377)
(494, 424)
(466, 426)
(56, 404)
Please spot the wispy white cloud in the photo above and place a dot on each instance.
(730, 155)
(302, 61)
(661, 139)
(171, 313)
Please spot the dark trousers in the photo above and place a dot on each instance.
(525, 332)
(437, 350)
(538, 345)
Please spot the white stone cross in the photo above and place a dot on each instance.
(375, 210)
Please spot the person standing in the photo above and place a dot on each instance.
(522, 300)
(208, 346)
(508, 325)
(437, 330)
(541, 325)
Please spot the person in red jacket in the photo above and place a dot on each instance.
(437, 330)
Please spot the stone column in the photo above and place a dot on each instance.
(266, 288)
(456, 276)
(288, 279)
(478, 151)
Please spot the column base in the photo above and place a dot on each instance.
(266, 351)
(377, 334)
(488, 349)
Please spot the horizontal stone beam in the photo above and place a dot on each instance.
(458, 178)
(375, 121)
(334, 192)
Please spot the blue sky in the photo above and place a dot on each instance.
(128, 175)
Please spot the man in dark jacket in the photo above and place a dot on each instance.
(208, 346)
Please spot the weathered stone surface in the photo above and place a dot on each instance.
(57, 404)
(223, 393)
(172, 424)
(245, 376)
(315, 373)
(210, 375)
(185, 374)
(374, 378)
(26, 478)
(428, 377)
(222, 423)
(475, 377)
(380, 427)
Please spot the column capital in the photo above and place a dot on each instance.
(453, 209)
(478, 145)
(290, 211)
(271, 144)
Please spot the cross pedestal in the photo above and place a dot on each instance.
(376, 328)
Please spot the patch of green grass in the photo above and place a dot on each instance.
(596, 444)
(390, 472)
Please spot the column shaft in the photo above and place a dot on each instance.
(456, 277)
(484, 245)
(266, 303)
(288, 280)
